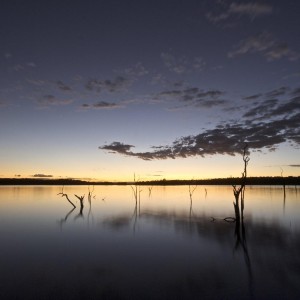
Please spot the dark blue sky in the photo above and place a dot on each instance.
(172, 86)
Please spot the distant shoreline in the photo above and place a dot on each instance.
(291, 180)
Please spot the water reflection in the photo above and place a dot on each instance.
(64, 220)
(158, 245)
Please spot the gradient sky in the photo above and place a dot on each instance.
(163, 89)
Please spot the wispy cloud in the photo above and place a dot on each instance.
(271, 94)
(117, 84)
(266, 45)
(277, 92)
(101, 105)
(280, 51)
(24, 66)
(181, 65)
(253, 97)
(250, 9)
(8, 55)
(62, 86)
(51, 100)
(134, 72)
(193, 96)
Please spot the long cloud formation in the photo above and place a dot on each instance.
(263, 127)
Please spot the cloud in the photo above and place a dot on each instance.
(117, 147)
(266, 45)
(253, 44)
(62, 86)
(193, 96)
(277, 92)
(292, 75)
(251, 10)
(136, 71)
(281, 50)
(181, 65)
(37, 82)
(101, 105)
(261, 109)
(264, 126)
(116, 85)
(273, 108)
(296, 92)
(42, 176)
(294, 166)
(51, 100)
(252, 97)
(24, 66)
(272, 94)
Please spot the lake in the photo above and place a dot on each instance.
(174, 242)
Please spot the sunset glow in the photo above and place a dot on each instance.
(106, 89)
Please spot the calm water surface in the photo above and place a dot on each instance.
(163, 244)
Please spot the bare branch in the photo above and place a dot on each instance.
(67, 197)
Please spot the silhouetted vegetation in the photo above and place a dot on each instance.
(80, 198)
(276, 180)
(191, 192)
(67, 197)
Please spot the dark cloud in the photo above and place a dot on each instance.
(117, 147)
(253, 97)
(296, 92)
(115, 85)
(63, 86)
(277, 92)
(193, 96)
(261, 109)
(266, 45)
(42, 176)
(101, 105)
(264, 126)
(210, 103)
(294, 166)
(288, 108)
(272, 94)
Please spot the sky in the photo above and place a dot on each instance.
(167, 89)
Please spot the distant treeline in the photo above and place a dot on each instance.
(217, 181)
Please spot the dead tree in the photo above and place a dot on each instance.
(240, 191)
(67, 197)
(80, 198)
(191, 192)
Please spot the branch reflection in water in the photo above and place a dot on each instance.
(260, 245)
(81, 203)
